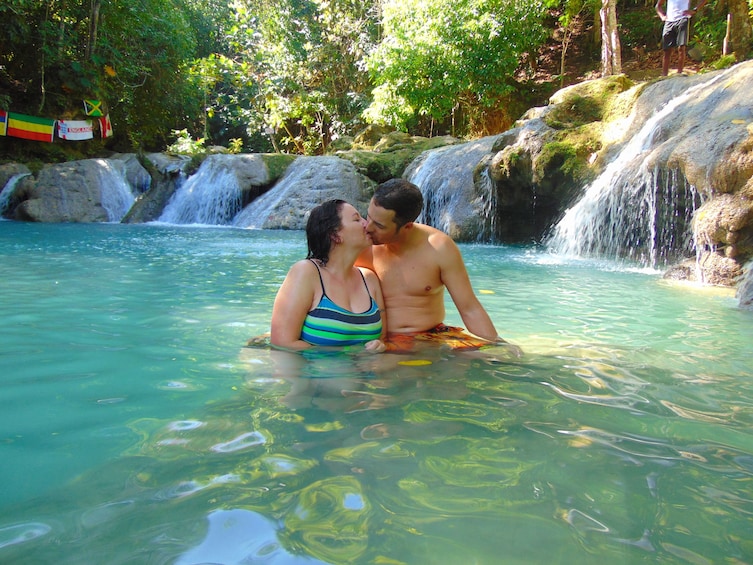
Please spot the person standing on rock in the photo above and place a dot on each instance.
(415, 263)
(676, 16)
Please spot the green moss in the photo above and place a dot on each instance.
(394, 158)
(574, 111)
(277, 164)
(569, 154)
(723, 62)
(586, 102)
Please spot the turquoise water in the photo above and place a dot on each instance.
(136, 428)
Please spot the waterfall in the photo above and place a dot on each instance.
(255, 214)
(8, 189)
(117, 196)
(634, 209)
(212, 196)
(446, 179)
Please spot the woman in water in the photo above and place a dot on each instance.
(325, 299)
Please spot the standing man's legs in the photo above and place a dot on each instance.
(666, 57)
(681, 50)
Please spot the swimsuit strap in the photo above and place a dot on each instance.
(364, 283)
(321, 281)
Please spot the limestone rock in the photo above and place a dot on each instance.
(745, 289)
(308, 181)
(90, 190)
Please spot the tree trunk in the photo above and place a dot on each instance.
(93, 28)
(611, 58)
(740, 33)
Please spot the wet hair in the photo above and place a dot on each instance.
(321, 228)
(403, 197)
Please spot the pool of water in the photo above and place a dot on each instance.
(135, 427)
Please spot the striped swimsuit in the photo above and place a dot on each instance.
(330, 324)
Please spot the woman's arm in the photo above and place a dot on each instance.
(293, 301)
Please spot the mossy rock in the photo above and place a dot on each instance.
(277, 164)
(394, 157)
(585, 102)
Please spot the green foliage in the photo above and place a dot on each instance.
(295, 68)
(724, 62)
(640, 28)
(185, 144)
(438, 56)
(291, 75)
(709, 30)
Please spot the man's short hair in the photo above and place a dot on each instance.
(401, 196)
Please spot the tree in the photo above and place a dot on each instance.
(739, 28)
(611, 56)
(441, 57)
(299, 65)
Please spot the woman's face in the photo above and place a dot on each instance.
(352, 227)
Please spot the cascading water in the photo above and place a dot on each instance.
(117, 196)
(634, 209)
(445, 177)
(212, 196)
(7, 191)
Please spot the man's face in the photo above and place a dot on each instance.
(381, 225)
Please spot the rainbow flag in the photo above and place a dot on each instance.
(3, 121)
(30, 127)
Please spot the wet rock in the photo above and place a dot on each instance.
(745, 289)
(308, 181)
(90, 190)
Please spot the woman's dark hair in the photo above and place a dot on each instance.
(323, 223)
(403, 197)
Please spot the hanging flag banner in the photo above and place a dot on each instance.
(105, 127)
(93, 108)
(3, 121)
(75, 130)
(30, 127)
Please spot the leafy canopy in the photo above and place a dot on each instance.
(438, 55)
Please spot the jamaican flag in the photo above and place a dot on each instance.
(93, 108)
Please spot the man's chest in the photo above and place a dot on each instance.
(407, 275)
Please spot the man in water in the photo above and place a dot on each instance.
(415, 263)
(676, 16)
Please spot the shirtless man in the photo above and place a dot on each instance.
(415, 263)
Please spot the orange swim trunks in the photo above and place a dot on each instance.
(449, 336)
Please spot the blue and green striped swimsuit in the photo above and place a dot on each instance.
(330, 324)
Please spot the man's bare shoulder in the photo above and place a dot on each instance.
(429, 235)
(437, 240)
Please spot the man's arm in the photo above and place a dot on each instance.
(455, 278)
(661, 9)
(701, 4)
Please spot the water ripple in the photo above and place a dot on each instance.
(22, 533)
